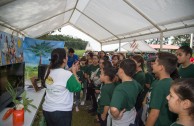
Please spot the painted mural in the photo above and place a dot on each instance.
(38, 52)
(11, 49)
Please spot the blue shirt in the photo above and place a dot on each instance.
(71, 60)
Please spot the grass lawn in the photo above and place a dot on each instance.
(81, 118)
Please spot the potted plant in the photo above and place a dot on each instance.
(20, 106)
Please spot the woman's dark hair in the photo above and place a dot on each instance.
(57, 57)
(184, 88)
(110, 72)
(56, 60)
(168, 60)
(139, 59)
(186, 49)
(128, 66)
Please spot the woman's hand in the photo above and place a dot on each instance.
(74, 68)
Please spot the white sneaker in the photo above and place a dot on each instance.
(76, 109)
(82, 102)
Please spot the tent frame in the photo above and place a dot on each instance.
(103, 42)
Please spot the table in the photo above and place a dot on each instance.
(28, 116)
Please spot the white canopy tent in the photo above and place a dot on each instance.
(106, 21)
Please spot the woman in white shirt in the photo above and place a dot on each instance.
(60, 85)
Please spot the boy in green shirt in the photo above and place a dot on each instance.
(107, 77)
(159, 114)
(186, 69)
(124, 97)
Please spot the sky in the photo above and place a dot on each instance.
(71, 31)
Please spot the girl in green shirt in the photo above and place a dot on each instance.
(181, 101)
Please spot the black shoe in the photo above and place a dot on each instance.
(93, 113)
(91, 110)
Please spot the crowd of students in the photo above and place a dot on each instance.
(122, 91)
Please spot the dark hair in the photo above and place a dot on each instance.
(128, 66)
(83, 59)
(90, 54)
(168, 60)
(186, 49)
(56, 60)
(102, 51)
(139, 59)
(57, 57)
(122, 55)
(115, 56)
(149, 64)
(106, 58)
(110, 72)
(184, 88)
(175, 74)
(107, 63)
(71, 50)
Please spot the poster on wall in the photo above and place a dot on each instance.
(37, 52)
(11, 50)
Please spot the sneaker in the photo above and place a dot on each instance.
(76, 109)
(82, 103)
(91, 110)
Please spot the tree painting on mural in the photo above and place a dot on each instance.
(40, 49)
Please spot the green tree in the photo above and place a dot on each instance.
(70, 42)
(40, 49)
(156, 41)
(181, 40)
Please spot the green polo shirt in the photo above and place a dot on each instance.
(187, 72)
(105, 96)
(158, 101)
(125, 95)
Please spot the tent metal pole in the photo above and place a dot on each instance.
(168, 30)
(11, 28)
(143, 15)
(97, 23)
(161, 40)
(191, 41)
(46, 19)
(100, 46)
(76, 27)
(119, 45)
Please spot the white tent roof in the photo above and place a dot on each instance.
(107, 21)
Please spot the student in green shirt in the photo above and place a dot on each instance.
(181, 101)
(122, 106)
(159, 114)
(83, 68)
(107, 77)
(93, 73)
(186, 69)
(139, 75)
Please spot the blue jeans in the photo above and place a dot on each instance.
(58, 118)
